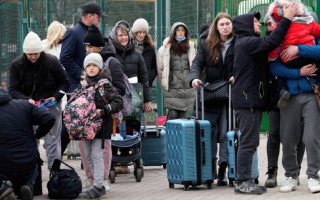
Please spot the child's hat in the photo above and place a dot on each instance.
(93, 58)
(93, 37)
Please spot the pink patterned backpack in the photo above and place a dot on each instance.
(80, 116)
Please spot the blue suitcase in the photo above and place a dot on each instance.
(189, 152)
(233, 140)
(153, 139)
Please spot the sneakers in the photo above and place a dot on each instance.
(5, 191)
(313, 185)
(106, 185)
(26, 192)
(247, 187)
(222, 179)
(272, 177)
(289, 185)
(283, 98)
(88, 182)
(93, 193)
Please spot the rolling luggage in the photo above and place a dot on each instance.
(153, 139)
(233, 140)
(189, 151)
(72, 150)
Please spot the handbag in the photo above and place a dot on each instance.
(63, 183)
(316, 90)
(216, 91)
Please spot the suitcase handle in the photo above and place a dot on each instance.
(202, 85)
(145, 126)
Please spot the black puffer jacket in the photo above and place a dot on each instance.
(219, 71)
(28, 80)
(115, 102)
(150, 59)
(18, 145)
(115, 66)
(250, 62)
(133, 65)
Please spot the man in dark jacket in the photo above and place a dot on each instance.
(18, 145)
(249, 93)
(73, 52)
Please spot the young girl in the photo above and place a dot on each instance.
(95, 43)
(93, 64)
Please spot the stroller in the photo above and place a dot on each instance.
(127, 151)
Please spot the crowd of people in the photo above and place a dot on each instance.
(273, 73)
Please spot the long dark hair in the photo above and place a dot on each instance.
(213, 40)
(179, 48)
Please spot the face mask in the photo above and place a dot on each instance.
(180, 39)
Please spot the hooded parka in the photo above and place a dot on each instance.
(173, 74)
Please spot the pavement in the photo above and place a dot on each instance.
(154, 184)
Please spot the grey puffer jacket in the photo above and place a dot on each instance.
(173, 74)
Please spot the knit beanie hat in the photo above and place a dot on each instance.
(140, 25)
(32, 43)
(93, 37)
(93, 58)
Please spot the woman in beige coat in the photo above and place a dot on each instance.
(174, 60)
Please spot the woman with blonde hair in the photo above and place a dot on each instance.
(55, 34)
(215, 55)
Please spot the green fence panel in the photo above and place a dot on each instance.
(10, 37)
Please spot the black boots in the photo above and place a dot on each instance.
(222, 179)
(272, 177)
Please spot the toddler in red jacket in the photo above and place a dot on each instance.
(303, 30)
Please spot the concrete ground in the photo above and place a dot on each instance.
(154, 184)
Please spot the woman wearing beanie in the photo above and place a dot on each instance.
(94, 72)
(174, 61)
(215, 56)
(144, 43)
(95, 43)
(34, 76)
(133, 67)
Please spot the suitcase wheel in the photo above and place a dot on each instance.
(138, 174)
(171, 185)
(112, 176)
(209, 185)
(164, 166)
(186, 187)
(231, 182)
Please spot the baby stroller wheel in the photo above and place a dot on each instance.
(138, 174)
(112, 176)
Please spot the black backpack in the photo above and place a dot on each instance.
(63, 183)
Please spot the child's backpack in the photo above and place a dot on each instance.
(127, 97)
(80, 116)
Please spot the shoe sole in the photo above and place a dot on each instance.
(286, 191)
(239, 192)
(6, 193)
(222, 183)
(271, 185)
(26, 193)
(283, 101)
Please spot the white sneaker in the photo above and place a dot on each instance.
(289, 185)
(88, 182)
(313, 185)
(106, 185)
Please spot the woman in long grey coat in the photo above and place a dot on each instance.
(174, 61)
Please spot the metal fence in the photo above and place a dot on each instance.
(17, 17)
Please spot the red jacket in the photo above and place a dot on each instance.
(298, 33)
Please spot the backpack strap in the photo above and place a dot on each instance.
(108, 61)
